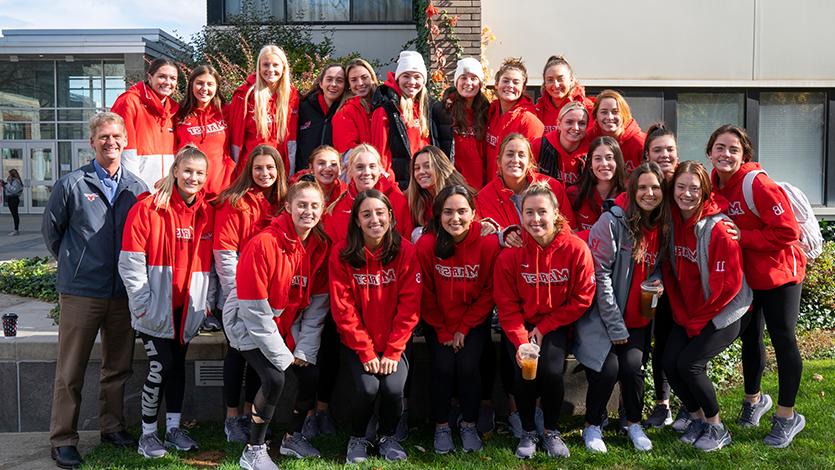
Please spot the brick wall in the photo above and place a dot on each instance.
(468, 28)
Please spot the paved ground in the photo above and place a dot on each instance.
(29, 243)
(30, 450)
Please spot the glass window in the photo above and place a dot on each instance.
(699, 114)
(27, 84)
(318, 10)
(791, 139)
(80, 84)
(73, 131)
(394, 11)
(26, 131)
(114, 82)
(257, 8)
(647, 106)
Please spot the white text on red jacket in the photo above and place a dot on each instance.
(687, 253)
(554, 276)
(468, 271)
(210, 128)
(385, 277)
(298, 281)
(185, 233)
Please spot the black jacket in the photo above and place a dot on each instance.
(315, 128)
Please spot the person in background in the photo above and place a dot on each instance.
(375, 287)
(265, 110)
(613, 118)
(87, 205)
(352, 121)
(603, 178)
(316, 110)
(149, 109)
(324, 167)
(561, 153)
(559, 87)
(431, 172)
(12, 189)
(165, 263)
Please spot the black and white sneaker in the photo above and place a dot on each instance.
(661, 416)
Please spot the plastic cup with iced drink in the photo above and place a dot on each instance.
(529, 353)
(650, 292)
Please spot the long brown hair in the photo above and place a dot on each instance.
(444, 243)
(375, 82)
(354, 252)
(587, 184)
(317, 84)
(637, 219)
(694, 168)
(444, 174)
(457, 109)
(244, 181)
(189, 102)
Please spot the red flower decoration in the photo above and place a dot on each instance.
(438, 76)
(434, 30)
(431, 10)
(453, 20)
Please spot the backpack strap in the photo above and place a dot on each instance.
(748, 190)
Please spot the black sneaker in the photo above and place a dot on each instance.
(749, 416)
(783, 430)
(694, 431)
(661, 416)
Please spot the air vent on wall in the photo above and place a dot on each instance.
(208, 373)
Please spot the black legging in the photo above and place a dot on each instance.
(367, 387)
(685, 362)
(14, 205)
(488, 363)
(166, 374)
(623, 364)
(235, 368)
(548, 385)
(460, 371)
(272, 384)
(328, 360)
(306, 379)
(778, 308)
(661, 331)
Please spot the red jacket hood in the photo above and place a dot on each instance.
(384, 185)
(546, 101)
(391, 82)
(630, 130)
(152, 102)
(737, 177)
(246, 85)
(522, 104)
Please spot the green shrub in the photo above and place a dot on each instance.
(818, 300)
(29, 277)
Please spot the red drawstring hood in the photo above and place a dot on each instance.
(631, 142)
(548, 108)
(520, 118)
(338, 217)
(352, 124)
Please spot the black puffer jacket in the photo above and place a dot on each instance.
(315, 128)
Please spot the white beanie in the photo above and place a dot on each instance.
(410, 61)
(468, 65)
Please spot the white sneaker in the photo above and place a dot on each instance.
(593, 437)
(638, 437)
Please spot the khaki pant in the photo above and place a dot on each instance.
(81, 320)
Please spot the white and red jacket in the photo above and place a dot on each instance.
(458, 291)
(520, 118)
(234, 226)
(338, 217)
(547, 287)
(495, 202)
(244, 135)
(376, 306)
(352, 124)
(165, 264)
(548, 109)
(149, 124)
(280, 300)
(570, 163)
(631, 143)
(770, 252)
(206, 128)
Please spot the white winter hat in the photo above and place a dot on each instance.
(410, 61)
(468, 65)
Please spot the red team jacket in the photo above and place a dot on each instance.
(351, 125)
(334, 191)
(494, 202)
(631, 143)
(207, 129)
(520, 118)
(338, 217)
(571, 163)
(470, 155)
(548, 110)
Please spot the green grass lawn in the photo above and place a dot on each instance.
(814, 448)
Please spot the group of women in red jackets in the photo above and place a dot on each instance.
(288, 213)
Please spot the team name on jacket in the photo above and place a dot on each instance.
(385, 277)
(298, 280)
(468, 271)
(210, 128)
(492, 140)
(554, 276)
(686, 253)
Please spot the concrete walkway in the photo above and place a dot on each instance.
(28, 244)
(31, 450)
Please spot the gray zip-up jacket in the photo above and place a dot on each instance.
(83, 231)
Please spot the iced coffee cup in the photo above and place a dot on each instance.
(529, 353)
(650, 292)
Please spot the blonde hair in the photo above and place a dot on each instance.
(261, 94)
(352, 157)
(169, 184)
(508, 139)
(542, 188)
(375, 82)
(623, 108)
(408, 111)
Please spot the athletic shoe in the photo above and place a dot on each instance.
(638, 437)
(661, 416)
(715, 437)
(295, 445)
(401, 432)
(443, 440)
(233, 427)
(682, 421)
(391, 450)
(211, 323)
(539, 421)
(749, 416)
(527, 445)
(371, 429)
(150, 446)
(310, 427)
(486, 419)
(553, 444)
(325, 423)
(14, 233)
(256, 458)
(694, 431)
(514, 422)
(179, 439)
(470, 441)
(783, 430)
(593, 437)
(357, 450)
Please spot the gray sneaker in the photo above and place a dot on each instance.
(151, 447)
(310, 428)
(401, 432)
(295, 445)
(554, 445)
(256, 458)
(233, 427)
(470, 440)
(783, 430)
(179, 439)
(682, 421)
(661, 416)
(357, 450)
(715, 437)
(749, 416)
(391, 450)
(694, 431)
(593, 439)
(443, 440)
(526, 448)
(325, 423)
(486, 419)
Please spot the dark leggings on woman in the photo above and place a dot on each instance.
(685, 362)
(778, 308)
(623, 364)
(460, 370)
(235, 368)
(661, 331)
(328, 360)
(548, 385)
(166, 374)
(272, 384)
(367, 387)
(14, 204)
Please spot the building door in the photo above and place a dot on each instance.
(82, 153)
(36, 163)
